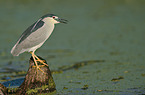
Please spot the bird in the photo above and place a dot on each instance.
(35, 36)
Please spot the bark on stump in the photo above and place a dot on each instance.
(3, 90)
(37, 82)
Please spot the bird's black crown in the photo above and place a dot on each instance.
(48, 15)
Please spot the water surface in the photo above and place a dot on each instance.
(112, 31)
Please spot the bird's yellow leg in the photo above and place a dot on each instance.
(35, 61)
(41, 61)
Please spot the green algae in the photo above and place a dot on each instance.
(112, 31)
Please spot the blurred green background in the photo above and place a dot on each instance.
(109, 30)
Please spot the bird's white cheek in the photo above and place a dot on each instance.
(55, 22)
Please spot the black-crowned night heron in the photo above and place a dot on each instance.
(35, 35)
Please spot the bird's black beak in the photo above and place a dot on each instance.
(62, 21)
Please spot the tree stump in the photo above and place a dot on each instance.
(3, 90)
(37, 82)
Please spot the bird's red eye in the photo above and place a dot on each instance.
(53, 17)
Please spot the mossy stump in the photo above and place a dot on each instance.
(37, 82)
(3, 90)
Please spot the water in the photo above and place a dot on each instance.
(97, 30)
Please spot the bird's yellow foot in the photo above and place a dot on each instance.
(38, 68)
(41, 61)
(36, 59)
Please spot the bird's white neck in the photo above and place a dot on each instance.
(50, 20)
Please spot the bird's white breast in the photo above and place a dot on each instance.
(48, 27)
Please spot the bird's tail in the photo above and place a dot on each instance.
(14, 51)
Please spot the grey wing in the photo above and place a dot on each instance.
(23, 42)
(30, 30)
